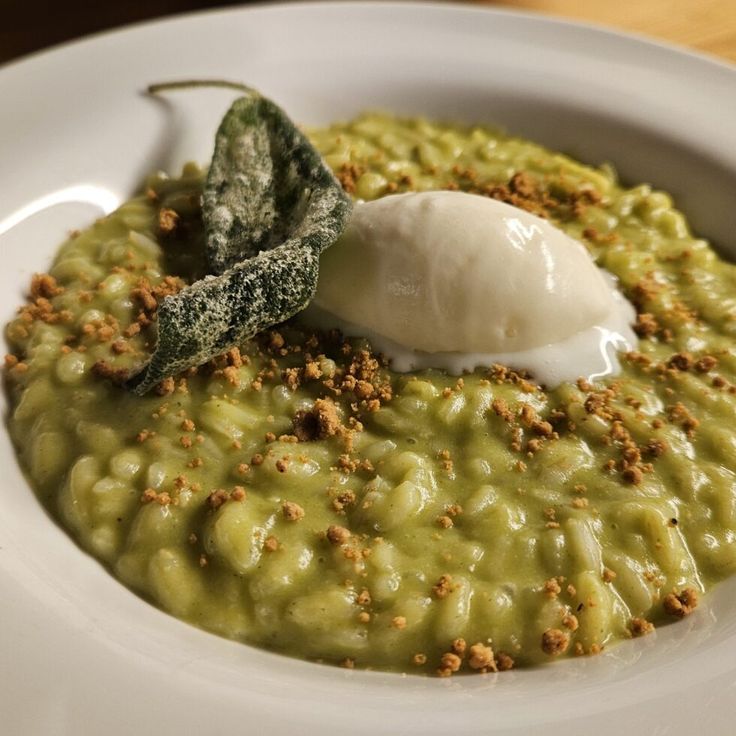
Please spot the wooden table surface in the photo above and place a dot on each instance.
(706, 25)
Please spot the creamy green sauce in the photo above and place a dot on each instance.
(536, 507)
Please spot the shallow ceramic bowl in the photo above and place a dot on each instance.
(83, 655)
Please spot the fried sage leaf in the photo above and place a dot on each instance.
(270, 206)
(266, 184)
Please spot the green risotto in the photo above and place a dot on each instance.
(297, 494)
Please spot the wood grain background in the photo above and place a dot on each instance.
(706, 25)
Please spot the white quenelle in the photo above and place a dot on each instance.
(454, 281)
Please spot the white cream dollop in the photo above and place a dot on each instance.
(454, 281)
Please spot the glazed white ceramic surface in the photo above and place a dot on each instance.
(79, 654)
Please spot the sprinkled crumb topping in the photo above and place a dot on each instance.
(319, 497)
(680, 604)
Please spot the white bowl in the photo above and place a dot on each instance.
(81, 654)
